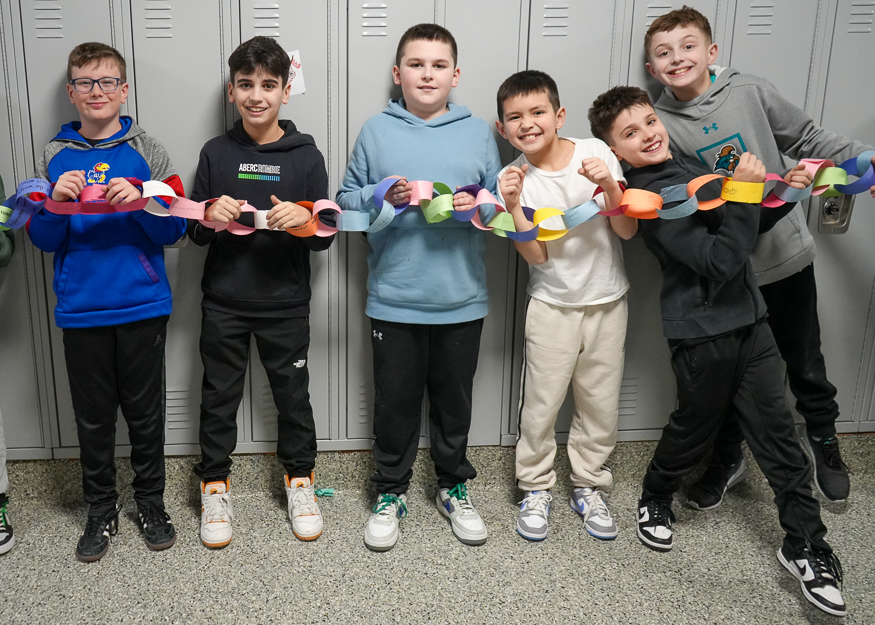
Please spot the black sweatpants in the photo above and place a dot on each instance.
(738, 374)
(282, 345)
(409, 359)
(108, 367)
(792, 305)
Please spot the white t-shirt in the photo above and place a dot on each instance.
(584, 267)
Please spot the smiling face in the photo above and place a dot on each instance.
(426, 75)
(258, 97)
(679, 59)
(638, 137)
(98, 111)
(530, 123)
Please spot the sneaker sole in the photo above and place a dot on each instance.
(161, 546)
(8, 546)
(652, 545)
(93, 558)
(811, 599)
(532, 537)
(734, 479)
(216, 545)
(469, 539)
(305, 537)
(809, 454)
(594, 534)
(381, 545)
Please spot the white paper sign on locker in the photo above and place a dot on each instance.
(296, 73)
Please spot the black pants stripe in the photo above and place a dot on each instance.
(737, 375)
(282, 345)
(108, 367)
(408, 360)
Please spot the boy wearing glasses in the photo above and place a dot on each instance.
(113, 294)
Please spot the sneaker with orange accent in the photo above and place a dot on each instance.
(216, 513)
(303, 509)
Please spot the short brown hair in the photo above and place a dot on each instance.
(94, 52)
(610, 105)
(426, 32)
(679, 18)
(526, 82)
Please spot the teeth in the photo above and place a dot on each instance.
(678, 72)
(654, 147)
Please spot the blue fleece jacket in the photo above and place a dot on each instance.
(420, 272)
(109, 269)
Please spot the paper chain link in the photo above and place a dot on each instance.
(436, 202)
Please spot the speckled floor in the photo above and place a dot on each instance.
(722, 570)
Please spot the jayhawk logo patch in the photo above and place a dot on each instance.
(97, 175)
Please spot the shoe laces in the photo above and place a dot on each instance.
(152, 516)
(660, 513)
(388, 505)
(537, 502)
(97, 525)
(596, 505)
(304, 500)
(4, 521)
(217, 508)
(460, 493)
(826, 565)
(832, 457)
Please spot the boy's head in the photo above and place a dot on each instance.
(623, 118)
(679, 49)
(96, 83)
(529, 113)
(425, 67)
(259, 81)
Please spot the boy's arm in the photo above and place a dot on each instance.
(199, 234)
(510, 187)
(356, 190)
(47, 230)
(606, 173)
(317, 189)
(7, 241)
(493, 163)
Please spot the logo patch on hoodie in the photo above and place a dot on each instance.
(722, 157)
(258, 171)
(97, 175)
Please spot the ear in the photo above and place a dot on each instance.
(124, 95)
(231, 92)
(650, 69)
(712, 54)
(500, 127)
(396, 74)
(456, 77)
(70, 92)
(286, 91)
(619, 158)
(560, 118)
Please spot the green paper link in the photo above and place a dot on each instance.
(325, 492)
(830, 176)
(437, 210)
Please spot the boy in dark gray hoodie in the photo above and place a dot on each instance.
(714, 115)
(723, 353)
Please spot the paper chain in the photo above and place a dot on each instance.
(436, 202)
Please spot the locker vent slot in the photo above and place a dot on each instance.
(375, 19)
(628, 406)
(657, 9)
(759, 20)
(157, 19)
(48, 21)
(364, 404)
(267, 18)
(860, 19)
(178, 410)
(556, 16)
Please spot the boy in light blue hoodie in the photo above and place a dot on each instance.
(427, 282)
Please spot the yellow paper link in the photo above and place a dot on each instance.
(545, 213)
(744, 192)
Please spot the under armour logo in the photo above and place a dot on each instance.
(378, 335)
(707, 130)
(300, 363)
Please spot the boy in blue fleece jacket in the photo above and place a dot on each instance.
(113, 294)
(427, 282)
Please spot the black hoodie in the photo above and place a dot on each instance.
(708, 284)
(265, 273)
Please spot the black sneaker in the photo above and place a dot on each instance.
(708, 492)
(820, 574)
(7, 539)
(654, 524)
(158, 530)
(95, 539)
(830, 472)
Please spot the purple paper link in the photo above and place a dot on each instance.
(22, 210)
(858, 186)
(529, 213)
(473, 189)
(528, 235)
(467, 215)
(380, 193)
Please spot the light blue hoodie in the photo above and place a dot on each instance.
(420, 272)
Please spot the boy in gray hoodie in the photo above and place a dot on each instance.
(714, 115)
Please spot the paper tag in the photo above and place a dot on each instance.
(296, 73)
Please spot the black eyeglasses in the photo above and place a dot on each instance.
(85, 85)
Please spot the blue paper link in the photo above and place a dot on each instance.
(383, 188)
(580, 214)
(387, 214)
(353, 221)
(22, 207)
(681, 210)
(866, 174)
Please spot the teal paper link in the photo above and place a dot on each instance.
(325, 492)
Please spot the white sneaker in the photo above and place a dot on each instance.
(381, 532)
(216, 513)
(590, 504)
(303, 509)
(534, 511)
(455, 504)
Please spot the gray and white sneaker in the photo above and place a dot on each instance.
(381, 532)
(534, 510)
(455, 504)
(591, 505)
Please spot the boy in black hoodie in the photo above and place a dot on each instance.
(258, 284)
(723, 353)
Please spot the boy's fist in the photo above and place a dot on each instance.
(511, 185)
(399, 193)
(121, 191)
(798, 177)
(286, 215)
(224, 210)
(596, 171)
(69, 186)
(749, 169)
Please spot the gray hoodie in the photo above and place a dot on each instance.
(743, 113)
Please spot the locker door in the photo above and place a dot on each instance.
(759, 43)
(182, 106)
(302, 26)
(644, 12)
(373, 33)
(845, 264)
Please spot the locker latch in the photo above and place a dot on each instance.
(835, 214)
